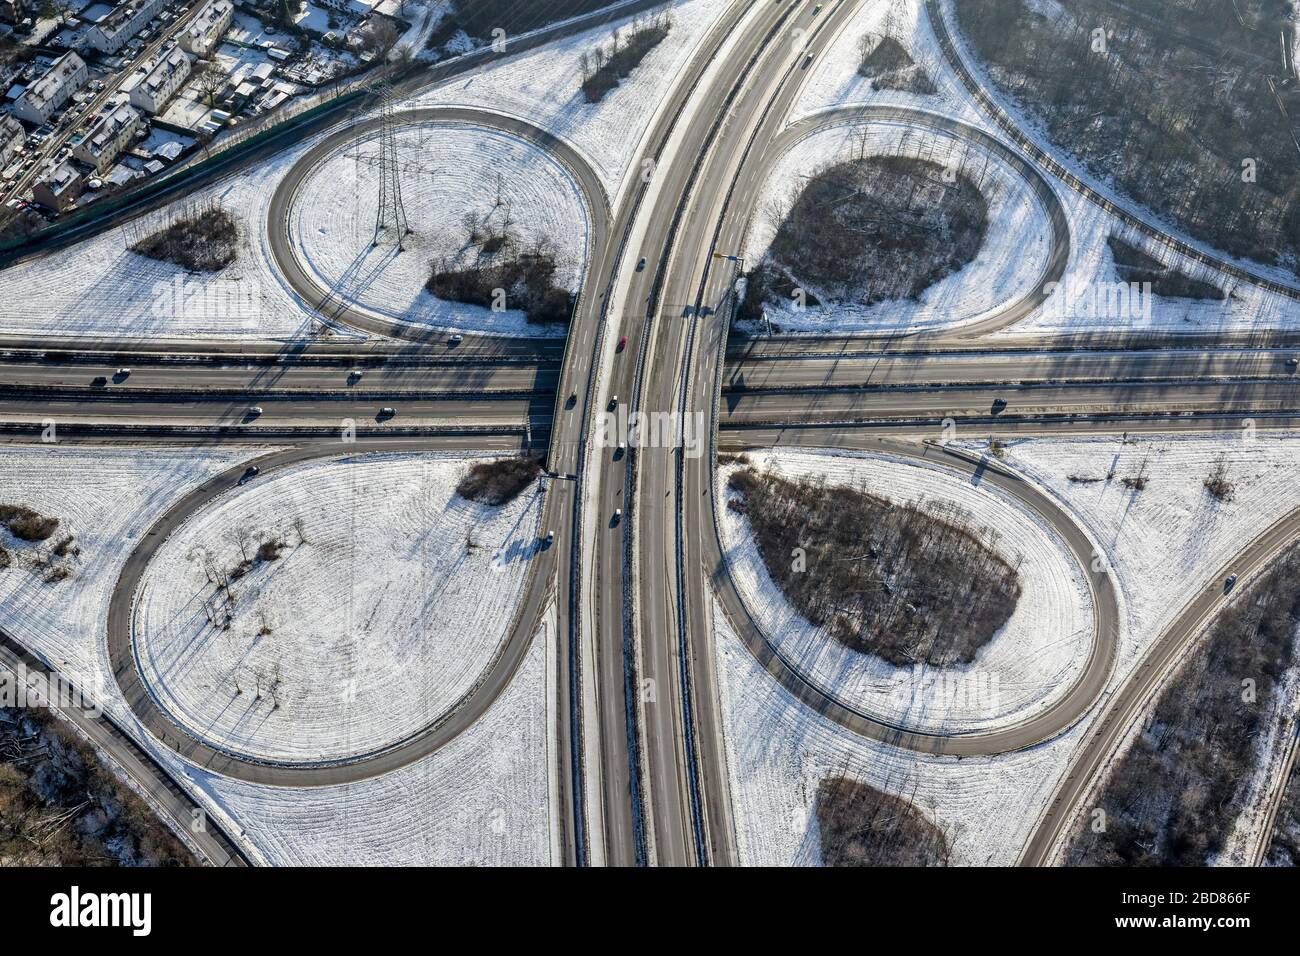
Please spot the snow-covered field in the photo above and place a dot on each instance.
(100, 288)
(384, 608)
(457, 171)
(481, 799)
(1163, 544)
(1010, 261)
(1027, 665)
(542, 86)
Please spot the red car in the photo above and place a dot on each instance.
(622, 344)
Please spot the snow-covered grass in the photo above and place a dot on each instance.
(1032, 660)
(457, 171)
(381, 612)
(1163, 545)
(106, 498)
(542, 86)
(481, 800)
(1010, 260)
(100, 288)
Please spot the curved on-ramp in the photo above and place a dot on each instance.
(1057, 718)
(328, 302)
(494, 679)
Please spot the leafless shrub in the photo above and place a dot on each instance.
(1218, 485)
(499, 482)
(204, 242)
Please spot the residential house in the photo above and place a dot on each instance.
(39, 101)
(160, 84)
(108, 137)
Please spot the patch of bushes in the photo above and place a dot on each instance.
(27, 525)
(862, 826)
(499, 482)
(205, 242)
(602, 70)
(526, 280)
(877, 228)
(1134, 265)
(889, 66)
(906, 584)
(1174, 797)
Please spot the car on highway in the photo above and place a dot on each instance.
(123, 373)
(620, 451)
(572, 400)
(251, 472)
(254, 411)
(622, 344)
(354, 376)
(613, 403)
(387, 412)
(1293, 361)
(640, 266)
(549, 539)
(99, 381)
(618, 516)
(1230, 583)
(456, 339)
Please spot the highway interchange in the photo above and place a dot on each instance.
(642, 759)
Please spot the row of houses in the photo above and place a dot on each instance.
(112, 32)
(46, 95)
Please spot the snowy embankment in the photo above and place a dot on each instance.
(389, 599)
(543, 86)
(481, 799)
(98, 287)
(1163, 544)
(1011, 258)
(453, 172)
(1031, 661)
